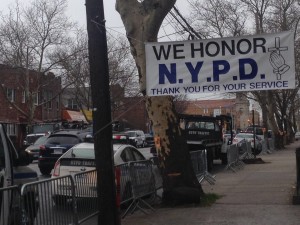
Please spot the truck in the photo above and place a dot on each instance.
(14, 172)
(207, 132)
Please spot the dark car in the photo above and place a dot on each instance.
(34, 149)
(56, 145)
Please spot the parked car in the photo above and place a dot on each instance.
(31, 138)
(120, 138)
(137, 138)
(240, 137)
(81, 157)
(34, 149)
(56, 145)
(258, 130)
(297, 135)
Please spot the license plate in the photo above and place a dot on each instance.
(57, 151)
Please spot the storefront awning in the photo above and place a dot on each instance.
(72, 116)
(88, 114)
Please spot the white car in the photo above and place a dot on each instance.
(137, 138)
(81, 158)
(240, 137)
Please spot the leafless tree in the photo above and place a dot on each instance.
(30, 37)
(217, 18)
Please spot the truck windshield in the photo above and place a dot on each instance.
(193, 125)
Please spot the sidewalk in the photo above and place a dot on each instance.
(259, 194)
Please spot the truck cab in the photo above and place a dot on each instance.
(13, 172)
(206, 132)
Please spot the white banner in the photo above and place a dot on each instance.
(246, 63)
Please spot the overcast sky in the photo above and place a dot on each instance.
(77, 12)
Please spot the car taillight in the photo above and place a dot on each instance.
(42, 147)
(56, 169)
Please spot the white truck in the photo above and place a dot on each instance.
(13, 173)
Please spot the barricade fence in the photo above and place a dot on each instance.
(10, 209)
(72, 199)
(199, 162)
(234, 161)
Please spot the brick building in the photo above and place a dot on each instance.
(45, 89)
(237, 108)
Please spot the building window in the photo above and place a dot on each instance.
(57, 103)
(11, 129)
(35, 98)
(49, 99)
(10, 93)
(23, 97)
(72, 104)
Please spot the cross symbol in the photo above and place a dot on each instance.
(277, 47)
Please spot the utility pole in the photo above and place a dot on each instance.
(102, 129)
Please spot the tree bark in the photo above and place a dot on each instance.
(142, 22)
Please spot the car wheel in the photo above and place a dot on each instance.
(45, 171)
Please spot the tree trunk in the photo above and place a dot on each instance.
(278, 143)
(142, 22)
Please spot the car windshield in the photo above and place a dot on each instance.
(131, 134)
(63, 140)
(32, 139)
(86, 153)
(41, 140)
(240, 135)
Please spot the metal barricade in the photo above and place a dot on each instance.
(247, 151)
(50, 202)
(86, 195)
(199, 162)
(125, 183)
(143, 185)
(233, 158)
(11, 211)
(73, 199)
